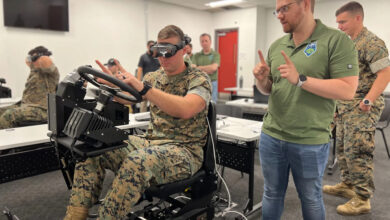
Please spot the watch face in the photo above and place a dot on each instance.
(366, 102)
(302, 78)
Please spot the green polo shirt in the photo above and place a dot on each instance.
(294, 114)
(201, 59)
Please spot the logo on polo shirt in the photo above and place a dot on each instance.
(310, 49)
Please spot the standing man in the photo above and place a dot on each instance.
(305, 70)
(172, 148)
(189, 55)
(43, 79)
(208, 60)
(356, 119)
(147, 63)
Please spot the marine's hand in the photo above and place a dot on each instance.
(288, 70)
(105, 70)
(261, 70)
(363, 107)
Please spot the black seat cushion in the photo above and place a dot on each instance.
(165, 190)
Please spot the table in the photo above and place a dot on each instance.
(37, 134)
(8, 101)
(247, 91)
(249, 105)
(240, 157)
(229, 133)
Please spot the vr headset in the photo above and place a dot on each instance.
(35, 57)
(168, 50)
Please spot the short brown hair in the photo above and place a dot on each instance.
(312, 4)
(170, 31)
(352, 7)
(205, 34)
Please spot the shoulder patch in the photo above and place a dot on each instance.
(310, 49)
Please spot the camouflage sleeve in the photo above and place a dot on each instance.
(201, 86)
(377, 55)
(48, 71)
(150, 77)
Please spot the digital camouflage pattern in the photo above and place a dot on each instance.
(171, 150)
(355, 129)
(33, 107)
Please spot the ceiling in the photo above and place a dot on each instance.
(200, 4)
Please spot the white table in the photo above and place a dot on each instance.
(235, 131)
(248, 105)
(246, 92)
(8, 101)
(37, 134)
(232, 130)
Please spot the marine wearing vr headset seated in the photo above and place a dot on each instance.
(42, 80)
(171, 149)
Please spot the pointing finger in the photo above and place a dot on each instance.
(104, 69)
(261, 56)
(119, 66)
(286, 58)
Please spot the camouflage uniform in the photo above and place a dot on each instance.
(355, 129)
(33, 107)
(171, 150)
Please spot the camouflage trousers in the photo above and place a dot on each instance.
(136, 167)
(15, 115)
(355, 143)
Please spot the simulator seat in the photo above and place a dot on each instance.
(199, 188)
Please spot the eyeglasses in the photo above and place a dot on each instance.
(283, 9)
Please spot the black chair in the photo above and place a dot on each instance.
(199, 188)
(384, 122)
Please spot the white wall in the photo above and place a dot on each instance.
(245, 20)
(192, 22)
(376, 15)
(98, 29)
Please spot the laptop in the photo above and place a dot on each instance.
(258, 97)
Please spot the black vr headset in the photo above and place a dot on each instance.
(35, 57)
(167, 50)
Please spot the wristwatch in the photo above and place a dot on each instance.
(367, 102)
(146, 88)
(301, 80)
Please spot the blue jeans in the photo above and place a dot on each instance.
(214, 93)
(307, 164)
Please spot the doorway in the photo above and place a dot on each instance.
(227, 44)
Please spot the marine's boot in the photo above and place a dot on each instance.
(76, 213)
(355, 206)
(340, 189)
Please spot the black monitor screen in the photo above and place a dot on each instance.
(42, 14)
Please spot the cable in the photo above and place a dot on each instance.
(184, 197)
(239, 213)
(223, 181)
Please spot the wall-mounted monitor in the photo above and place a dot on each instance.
(42, 14)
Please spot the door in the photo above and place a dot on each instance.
(227, 48)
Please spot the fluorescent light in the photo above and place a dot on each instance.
(223, 3)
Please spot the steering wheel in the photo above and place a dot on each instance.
(85, 70)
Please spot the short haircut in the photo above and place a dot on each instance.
(149, 42)
(205, 34)
(312, 4)
(39, 50)
(170, 31)
(352, 7)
